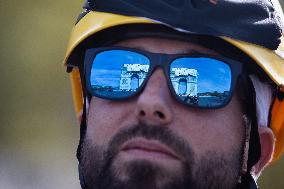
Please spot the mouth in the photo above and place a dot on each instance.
(153, 149)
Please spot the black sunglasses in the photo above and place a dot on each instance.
(196, 80)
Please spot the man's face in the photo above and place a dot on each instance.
(153, 141)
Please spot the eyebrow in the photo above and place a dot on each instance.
(191, 51)
(185, 51)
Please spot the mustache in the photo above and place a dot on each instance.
(154, 132)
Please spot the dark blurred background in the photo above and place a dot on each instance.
(38, 129)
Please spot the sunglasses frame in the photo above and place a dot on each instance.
(159, 60)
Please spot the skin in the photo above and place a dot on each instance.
(218, 131)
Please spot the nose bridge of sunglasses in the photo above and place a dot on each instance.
(158, 60)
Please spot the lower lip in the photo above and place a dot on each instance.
(148, 154)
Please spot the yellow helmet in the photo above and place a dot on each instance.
(271, 61)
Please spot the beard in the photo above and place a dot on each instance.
(100, 169)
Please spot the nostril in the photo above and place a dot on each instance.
(142, 113)
(160, 114)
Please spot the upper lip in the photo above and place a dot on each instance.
(149, 145)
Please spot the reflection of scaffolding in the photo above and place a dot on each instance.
(179, 75)
(131, 71)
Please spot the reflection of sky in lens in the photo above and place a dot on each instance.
(107, 66)
(213, 75)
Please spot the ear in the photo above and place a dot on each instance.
(267, 139)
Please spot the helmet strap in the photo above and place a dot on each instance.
(252, 142)
(83, 128)
(80, 145)
(247, 182)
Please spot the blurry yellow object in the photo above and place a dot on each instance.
(77, 91)
(272, 62)
(277, 125)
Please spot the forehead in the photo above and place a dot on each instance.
(165, 45)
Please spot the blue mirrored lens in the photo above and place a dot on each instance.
(202, 82)
(118, 73)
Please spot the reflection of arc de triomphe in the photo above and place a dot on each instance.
(178, 75)
(186, 75)
(131, 71)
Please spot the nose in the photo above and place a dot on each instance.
(154, 104)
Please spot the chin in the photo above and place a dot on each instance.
(145, 173)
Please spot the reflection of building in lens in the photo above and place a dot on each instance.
(132, 76)
(184, 81)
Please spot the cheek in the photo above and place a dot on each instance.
(105, 118)
(219, 130)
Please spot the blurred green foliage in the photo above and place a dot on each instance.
(39, 133)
